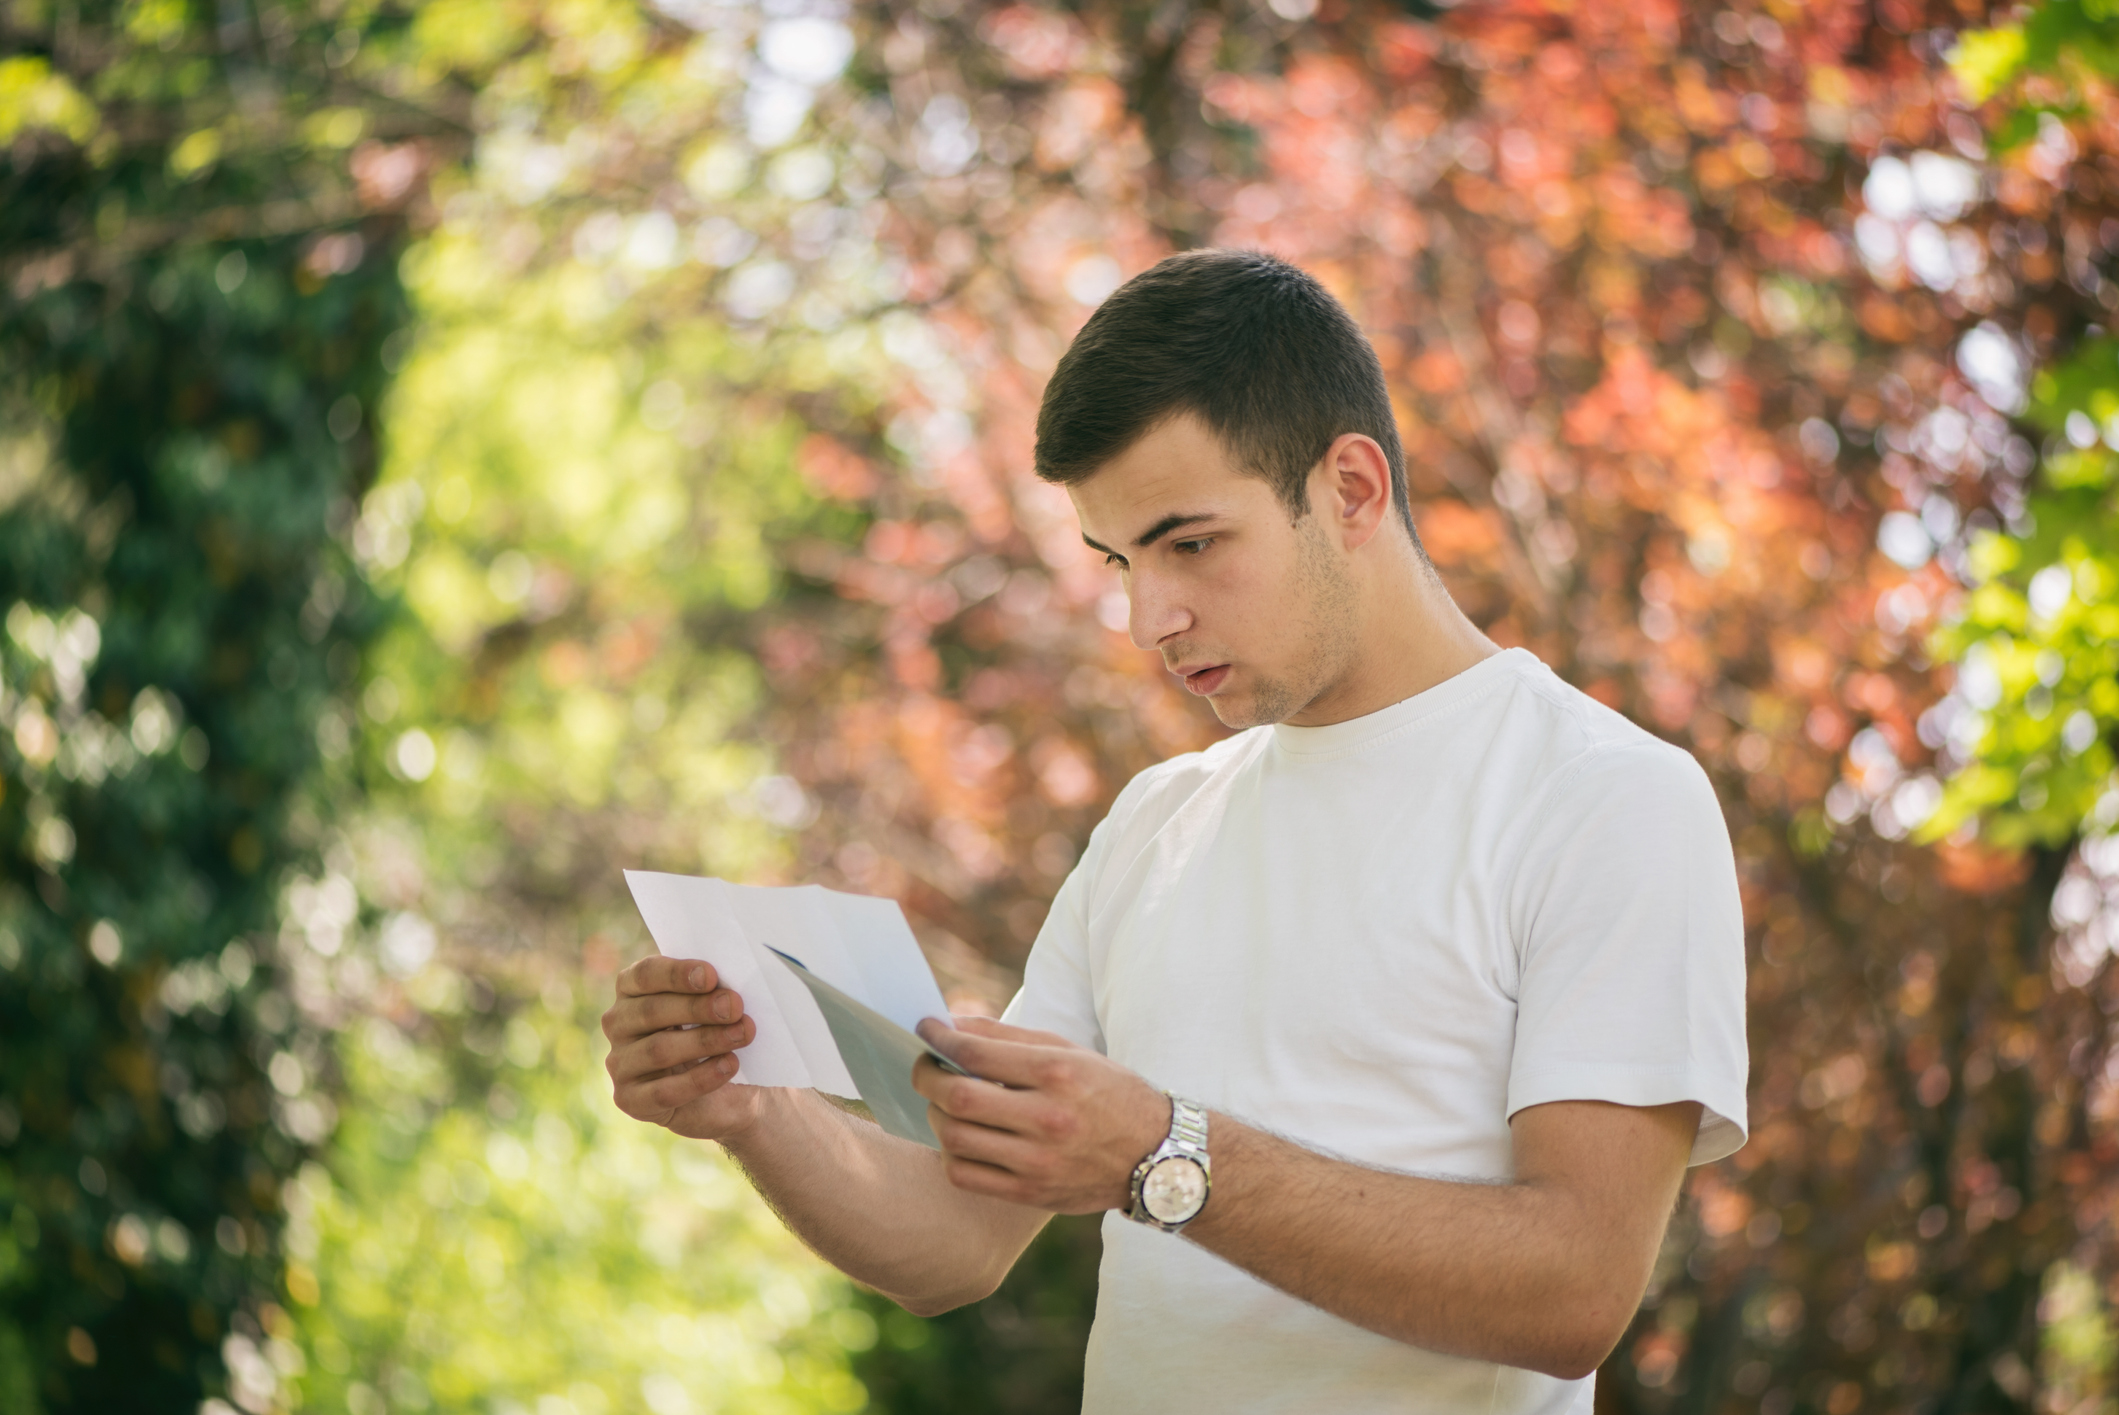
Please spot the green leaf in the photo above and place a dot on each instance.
(1984, 60)
(34, 99)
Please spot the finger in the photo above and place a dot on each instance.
(961, 1139)
(988, 1180)
(931, 1081)
(981, 1102)
(1013, 1144)
(637, 1016)
(656, 973)
(1002, 1031)
(661, 1051)
(655, 1096)
(1010, 1063)
(665, 1093)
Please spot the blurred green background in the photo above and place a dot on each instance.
(453, 450)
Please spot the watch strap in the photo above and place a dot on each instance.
(1187, 1140)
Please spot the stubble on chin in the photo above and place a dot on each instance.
(1269, 700)
(1325, 606)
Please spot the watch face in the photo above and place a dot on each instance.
(1174, 1190)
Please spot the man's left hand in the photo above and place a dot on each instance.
(1045, 1123)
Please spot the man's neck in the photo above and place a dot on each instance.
(1410, 637)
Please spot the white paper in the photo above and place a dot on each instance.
(765, 917)
(690, 918)
(881, 1055)
(891, 974)
(859, 947)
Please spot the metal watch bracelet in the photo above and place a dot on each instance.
(1169, 1188)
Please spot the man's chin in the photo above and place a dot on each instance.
(1240, 711)
(1255, 702)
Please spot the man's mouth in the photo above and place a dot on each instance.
(1204, 681)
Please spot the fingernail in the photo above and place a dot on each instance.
(725, 1009)
(697, 977)
(727, 1065)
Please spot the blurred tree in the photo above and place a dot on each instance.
(2032, 716)
(586, 458)
(199, 213)
(2037, 640)
(490, 1234)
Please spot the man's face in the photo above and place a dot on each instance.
(1253, 610)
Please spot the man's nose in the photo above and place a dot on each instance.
(1153, 612)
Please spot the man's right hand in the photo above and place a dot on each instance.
(674, 1077)
(880, 1208)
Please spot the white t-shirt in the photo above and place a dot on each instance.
(1381, 939)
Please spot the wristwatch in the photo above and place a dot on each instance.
(1170, 1185)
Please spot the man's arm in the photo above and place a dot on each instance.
(878, 1208)
(1543, 1272)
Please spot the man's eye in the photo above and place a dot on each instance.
(1191, 547)
(1116, 562)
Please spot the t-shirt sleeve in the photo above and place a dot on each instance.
(1629, 936)
(1056, 995)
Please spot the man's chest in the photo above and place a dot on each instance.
(1342, 977)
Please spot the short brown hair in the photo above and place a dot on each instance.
(1253, 347)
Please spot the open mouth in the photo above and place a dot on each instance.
(1205, 680)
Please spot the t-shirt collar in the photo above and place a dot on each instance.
(1356, 732)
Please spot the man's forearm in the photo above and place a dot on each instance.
(1527, 1273)
(878, 1208)
(1542, 1272)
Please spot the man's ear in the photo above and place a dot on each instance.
(1352, 488)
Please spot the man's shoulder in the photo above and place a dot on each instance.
(1585, 744)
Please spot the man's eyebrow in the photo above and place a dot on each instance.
(1168, 524)
(1154, 533)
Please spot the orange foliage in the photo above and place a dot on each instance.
(1655, 403)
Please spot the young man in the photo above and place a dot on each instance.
(1440, 961)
